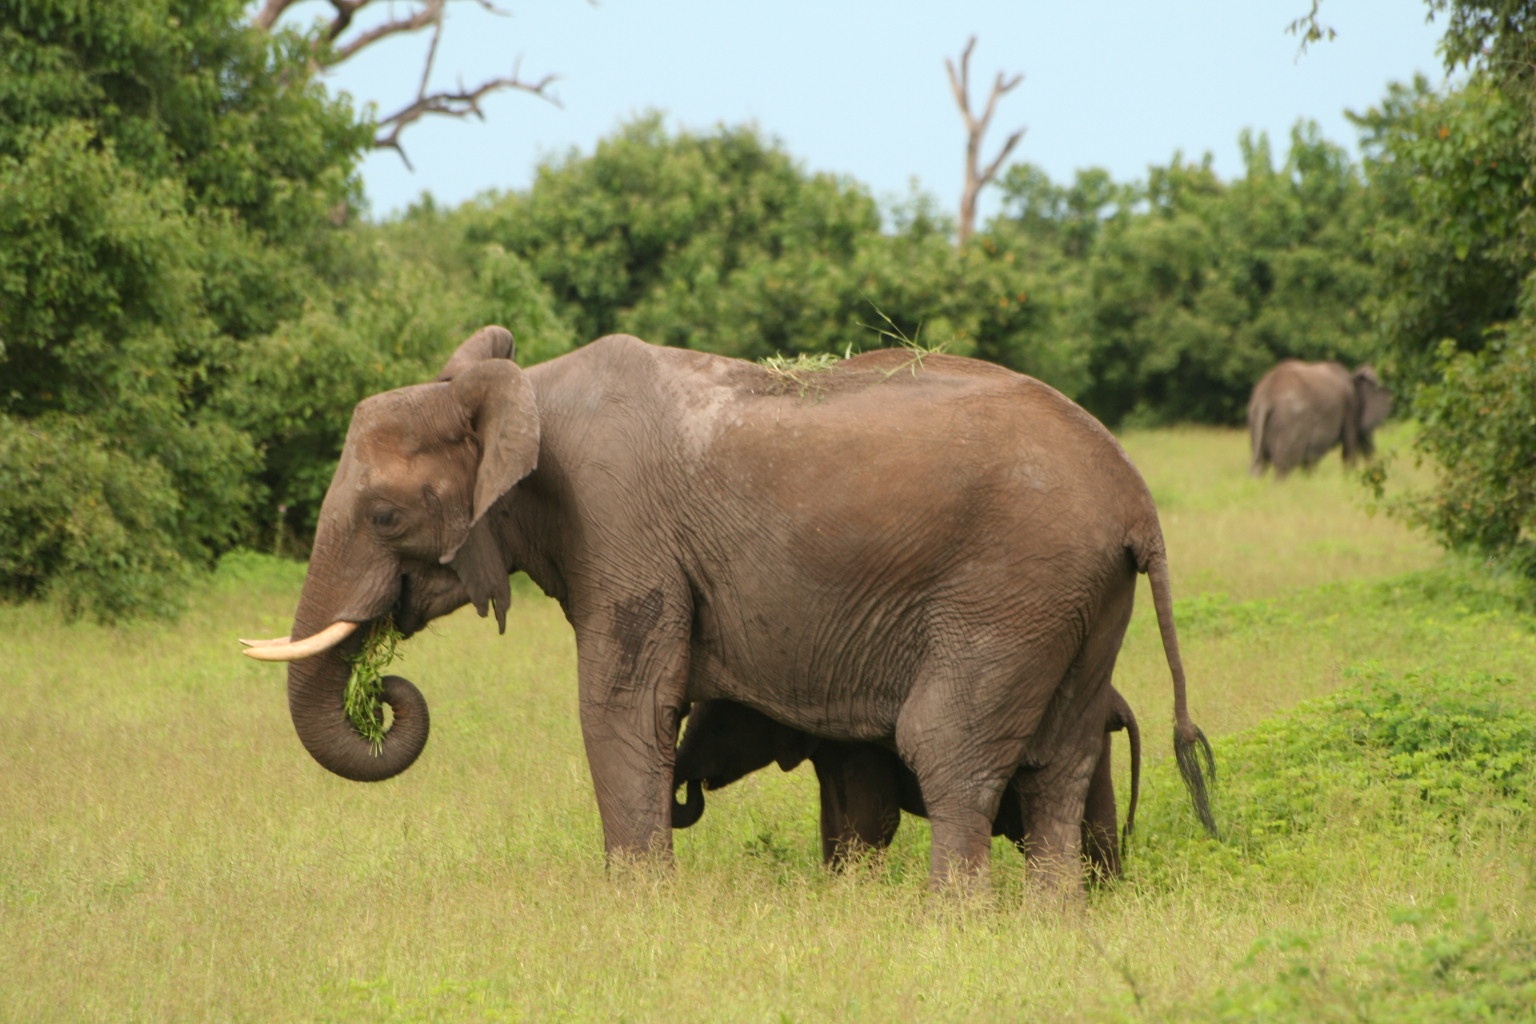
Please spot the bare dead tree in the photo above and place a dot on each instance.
(976, 176)
(331, 46)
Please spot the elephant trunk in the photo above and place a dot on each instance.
(691, 810)
(317, 702)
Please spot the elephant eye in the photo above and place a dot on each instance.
(386, 517)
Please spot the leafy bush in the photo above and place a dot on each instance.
(1478, 429)
(1446, 173)
(84, 522)
(1374, 777)
(1420, 755)
(1453, 246)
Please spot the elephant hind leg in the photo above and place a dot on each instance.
(1065, 793)
(1257, 442)
(963, 762)
(860, 798)
(1100, 829)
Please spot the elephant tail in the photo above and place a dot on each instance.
(1190, 747)
(1258, 423)
(1133, 736)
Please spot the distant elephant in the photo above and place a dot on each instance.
(1300, 411)
(922, 551)
(864, 787)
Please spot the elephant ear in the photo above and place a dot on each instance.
(490, 342)
(504, 417)
(1374, 398)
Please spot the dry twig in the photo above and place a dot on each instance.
(977, 177)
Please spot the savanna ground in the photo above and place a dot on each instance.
(168, 852)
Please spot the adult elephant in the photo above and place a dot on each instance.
(1299, 411)
(912, 549)
(864, 787)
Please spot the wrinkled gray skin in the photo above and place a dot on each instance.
(1299, 412)
(933, 554)
(865, 787)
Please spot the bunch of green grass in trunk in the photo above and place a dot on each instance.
(364, 700)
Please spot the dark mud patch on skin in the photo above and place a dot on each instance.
(633, 622)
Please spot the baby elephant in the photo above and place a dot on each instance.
(865, 787)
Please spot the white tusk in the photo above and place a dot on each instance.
(266, 643)
(284, 650)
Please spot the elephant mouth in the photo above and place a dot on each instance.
(407, 622)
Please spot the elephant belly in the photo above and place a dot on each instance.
(788, 672)
(842, 663)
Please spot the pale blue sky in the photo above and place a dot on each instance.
(859, 88)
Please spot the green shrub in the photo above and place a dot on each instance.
(1478, 429)
(1425, 760)
(86, 523)
(1419, 754)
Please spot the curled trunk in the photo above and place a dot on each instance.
(691, 809)
(316, 700)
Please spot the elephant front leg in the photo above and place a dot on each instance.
(961, 856)
(631, 702)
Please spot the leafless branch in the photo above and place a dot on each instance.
(333, 47)
(977, 177)
(458, 103)
(270, 12)
(431, 14)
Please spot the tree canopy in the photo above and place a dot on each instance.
(187, 305)
(1457, 308)
(167, 194)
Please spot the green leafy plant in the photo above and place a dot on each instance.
(1447, 969)
(1424, 753)
(364, 699)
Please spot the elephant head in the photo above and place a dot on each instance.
(403, 533)
(724, 741)
(1373, 404)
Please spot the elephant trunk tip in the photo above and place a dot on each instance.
(687, 813)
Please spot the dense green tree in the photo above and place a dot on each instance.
(722, 242)
(169, 186)
(656, 218)
(1165, 300)
(1448, 181)
(295, 389)
(1456, 243)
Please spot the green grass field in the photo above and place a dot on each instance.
(169, 852)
